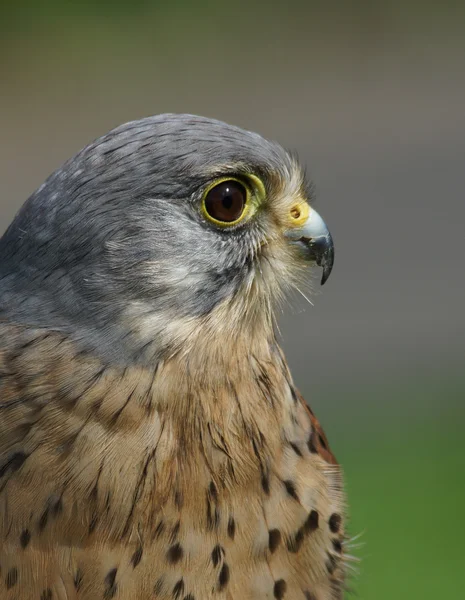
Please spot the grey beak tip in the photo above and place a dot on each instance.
(322, 251)
(327, 263)
(324, 277)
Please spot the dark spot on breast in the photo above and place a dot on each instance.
(42, 524)
(223, 577)
(337, 545)
(335, 522)
(231, 470)
(264, 470)
(311, 443)
(296, 448)
(290, 489)
(93, 496)
(178, 499)
(25, 538)
(159, 529)
(274, 539)
(294, 395)
(46, 594)
(111, 577)
(110, 584)
(309, 595)
(213, 491)
(217, 555)
(189, 597)
(78, 579)
(14, 463)
(279, 590)
(312, 522)
(11, 578)
(266, 484)
(57, 507)
(331, 564)
(178, 589)
(175, 553)
(137, 556)
(93, 523)
(231, 528)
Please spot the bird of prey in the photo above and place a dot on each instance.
(153, 444)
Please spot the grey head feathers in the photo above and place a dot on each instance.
(118, 225)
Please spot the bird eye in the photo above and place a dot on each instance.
(225, 202)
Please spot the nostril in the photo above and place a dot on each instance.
(295, 212)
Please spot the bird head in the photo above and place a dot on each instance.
(160, 229)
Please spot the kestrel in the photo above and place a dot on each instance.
(153, 444)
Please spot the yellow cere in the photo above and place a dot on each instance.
(299, 213)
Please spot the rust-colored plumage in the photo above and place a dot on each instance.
(112, 489)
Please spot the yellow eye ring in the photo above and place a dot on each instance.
(227, 201)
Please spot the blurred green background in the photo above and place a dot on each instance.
(372, 96)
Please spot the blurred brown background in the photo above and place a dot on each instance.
(372, 96)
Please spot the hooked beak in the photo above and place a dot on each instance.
(314, 241)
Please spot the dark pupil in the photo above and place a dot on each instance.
(225, 202)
